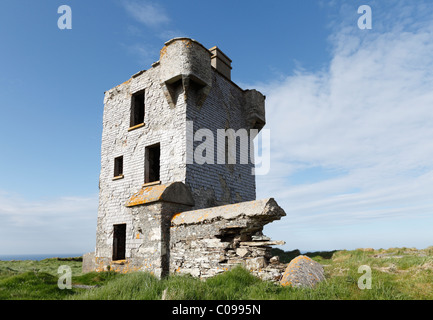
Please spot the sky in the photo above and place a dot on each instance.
(349, 111)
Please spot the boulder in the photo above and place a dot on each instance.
(302, 272)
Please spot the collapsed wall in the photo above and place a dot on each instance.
(206, 242)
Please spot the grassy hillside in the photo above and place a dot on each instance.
(397, 273)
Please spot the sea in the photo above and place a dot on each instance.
(37, 257)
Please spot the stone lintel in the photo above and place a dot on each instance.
(267, 210)
(262, 243)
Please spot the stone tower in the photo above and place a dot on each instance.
(166, 150)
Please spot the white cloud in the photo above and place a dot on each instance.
(368, 116)
(145, 53)
(146, 12)
(152, 15)
(20, 212)
(58, 225)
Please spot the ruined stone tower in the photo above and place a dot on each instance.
(166, 203)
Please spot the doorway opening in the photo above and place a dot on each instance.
(119, 241)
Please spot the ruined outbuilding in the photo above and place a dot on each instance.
(161, 210)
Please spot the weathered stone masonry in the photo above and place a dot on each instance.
(193, 218)
(208, 241)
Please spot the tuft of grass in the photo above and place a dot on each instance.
(95, 278)
(232, 285)
(50, 266)
(132, 286)
(183, 287)
(32, 286)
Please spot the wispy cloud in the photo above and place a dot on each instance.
(145, 53)
(368, 117)
(154, 16)
(149, 13)
(65, 224)
(16, 210)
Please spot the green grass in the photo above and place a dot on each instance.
(35, 280)
(32, 286)
(397, 273)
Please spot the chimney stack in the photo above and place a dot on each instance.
(221, 62)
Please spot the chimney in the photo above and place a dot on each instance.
(221, 62)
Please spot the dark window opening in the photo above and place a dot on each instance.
(118, 166)
(137, 108)
(119, 241)
(152, 163)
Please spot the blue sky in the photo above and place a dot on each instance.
(349, 112)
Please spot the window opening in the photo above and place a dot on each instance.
(137, 108)
(118, 166)
(152, 167)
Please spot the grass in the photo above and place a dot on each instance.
(396, 273)
(35, 280)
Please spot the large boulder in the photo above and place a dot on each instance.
(302, 272)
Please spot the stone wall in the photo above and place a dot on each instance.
(147, 216)
(212, 183)
(161, 125)
(209, 241)
(168, 239)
